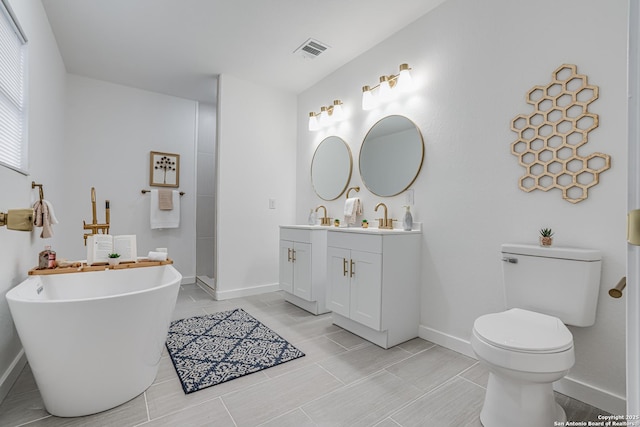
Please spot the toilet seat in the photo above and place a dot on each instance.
(524, 331)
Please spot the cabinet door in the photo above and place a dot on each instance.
(366, 288)
(338, 280)
(286, 266)
(302, 270)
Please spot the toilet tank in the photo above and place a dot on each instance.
(561, 282)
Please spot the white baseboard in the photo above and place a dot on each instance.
(603, 399)
(220, 295)
(578, 390)
(187, 280)
(11, 374)
(446, 340)
(313, 307)
(206, 281)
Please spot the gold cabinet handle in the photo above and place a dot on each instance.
(344, 267)
(353, 269)
(289, 254)
(293, 255)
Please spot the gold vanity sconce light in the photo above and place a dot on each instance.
(387, 89)
(326, 116)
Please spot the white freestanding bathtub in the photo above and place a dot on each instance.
(94, 339)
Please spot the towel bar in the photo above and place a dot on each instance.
(147, 191)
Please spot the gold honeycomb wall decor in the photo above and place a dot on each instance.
(549, 138)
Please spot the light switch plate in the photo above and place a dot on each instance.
(408, 198)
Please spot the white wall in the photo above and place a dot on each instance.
(473, 63)
(206, 185)
(256, 148)
(110, 131)
(18, 250)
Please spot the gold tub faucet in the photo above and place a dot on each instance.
(94, 226)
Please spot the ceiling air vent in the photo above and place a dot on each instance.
(311, 49)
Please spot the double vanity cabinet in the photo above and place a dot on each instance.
(370, 279)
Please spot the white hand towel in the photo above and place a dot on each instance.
(157, 256)
(162, 218)
(43, 218)
(52, 214)
(165, 200)
(352, 208)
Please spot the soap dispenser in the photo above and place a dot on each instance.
(312, 217)
(407, 221)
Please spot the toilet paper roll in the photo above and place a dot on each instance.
(157, 256)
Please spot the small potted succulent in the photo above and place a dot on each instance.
(546, 237)
(365, 223)
(114, 259)
(336, 222)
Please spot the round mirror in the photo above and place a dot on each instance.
(331, 168)
(391, 156)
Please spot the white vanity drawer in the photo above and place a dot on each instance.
(356, 241)
(295, 234)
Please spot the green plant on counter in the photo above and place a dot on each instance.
(546, 232)
(114, 255)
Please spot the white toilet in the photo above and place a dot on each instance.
(528, 347)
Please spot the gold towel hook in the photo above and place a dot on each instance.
(34, 185)
(353, 188)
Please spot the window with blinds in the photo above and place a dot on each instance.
(13, 111)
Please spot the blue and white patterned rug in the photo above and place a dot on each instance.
(212, 349)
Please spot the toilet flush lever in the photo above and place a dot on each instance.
(510, 260)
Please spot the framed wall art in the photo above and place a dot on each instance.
(164, 169)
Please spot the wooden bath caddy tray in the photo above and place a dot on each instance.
(81, 267)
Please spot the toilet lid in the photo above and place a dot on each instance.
(524, 330)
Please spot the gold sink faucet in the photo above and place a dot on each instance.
(325, 220)
(384, 223)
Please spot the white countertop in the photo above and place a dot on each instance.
(417, 229)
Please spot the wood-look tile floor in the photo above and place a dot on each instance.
(342, 381)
